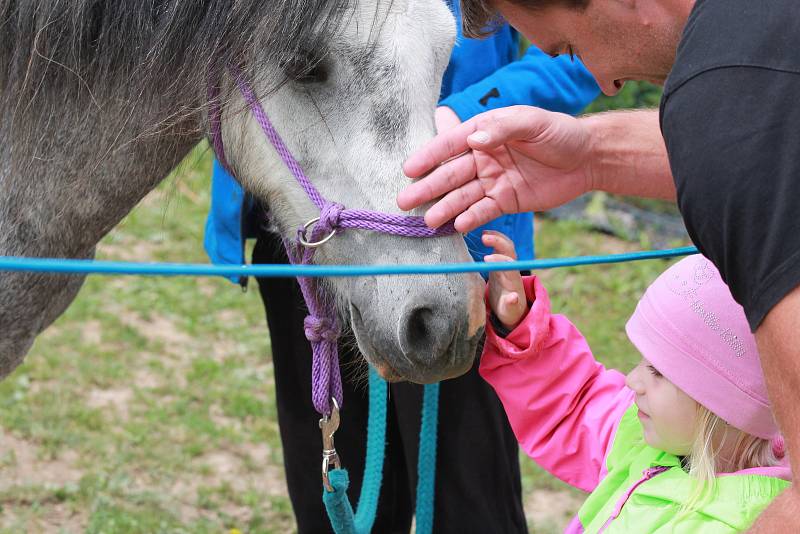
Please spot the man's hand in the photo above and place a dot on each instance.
(520, 159)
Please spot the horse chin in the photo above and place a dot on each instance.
(387, 373)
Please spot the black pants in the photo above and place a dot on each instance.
(477, 468)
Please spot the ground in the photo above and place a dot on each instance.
(148, 407)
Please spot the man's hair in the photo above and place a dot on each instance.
(480, 18)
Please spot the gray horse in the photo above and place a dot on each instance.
(101, 99)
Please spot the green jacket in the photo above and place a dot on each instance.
(645, 488)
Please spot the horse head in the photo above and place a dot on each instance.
(349, 118)
(100, 101)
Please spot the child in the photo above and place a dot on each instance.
(686, 443)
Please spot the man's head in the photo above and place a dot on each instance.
(617, 40)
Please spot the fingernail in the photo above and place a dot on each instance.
(479, 137)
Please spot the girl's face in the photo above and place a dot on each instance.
(668, 415)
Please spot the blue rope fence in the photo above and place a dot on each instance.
(68, 266)
(343, 520)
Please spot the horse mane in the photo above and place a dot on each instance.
(136, 47)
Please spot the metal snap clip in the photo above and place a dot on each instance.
(330, 458)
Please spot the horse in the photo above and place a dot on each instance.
(100, 100)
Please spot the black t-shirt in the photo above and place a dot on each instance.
(730, 116)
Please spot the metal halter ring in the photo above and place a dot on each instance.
(313, 244)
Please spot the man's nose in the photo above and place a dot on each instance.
(610, 87)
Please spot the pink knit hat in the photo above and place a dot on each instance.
(689, 327)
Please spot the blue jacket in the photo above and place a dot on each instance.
(482, 75)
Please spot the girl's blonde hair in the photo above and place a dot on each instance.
(749, 451)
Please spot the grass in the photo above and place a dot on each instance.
(149, 405)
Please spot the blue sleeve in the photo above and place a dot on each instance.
(223, 240)
(536, 79)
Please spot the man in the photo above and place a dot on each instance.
(729, 116)
(478, 485)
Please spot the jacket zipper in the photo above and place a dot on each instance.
(647, 474)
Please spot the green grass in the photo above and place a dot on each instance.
(149, 405)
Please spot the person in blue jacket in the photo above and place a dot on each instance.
(478, 486)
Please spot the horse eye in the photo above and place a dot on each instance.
(306, 70)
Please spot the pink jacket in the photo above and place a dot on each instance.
(563, 405)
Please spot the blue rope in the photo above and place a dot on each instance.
(67, 266)
(376, 445)
(337, 505)
(426, 463)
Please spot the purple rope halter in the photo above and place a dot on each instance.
(321, 325)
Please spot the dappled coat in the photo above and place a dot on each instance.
(578, 421)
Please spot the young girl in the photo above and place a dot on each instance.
(686, 443)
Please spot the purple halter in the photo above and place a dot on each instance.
(321, 324)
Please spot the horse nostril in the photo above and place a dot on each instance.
(417, 327)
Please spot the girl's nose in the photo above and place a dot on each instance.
(633, 380)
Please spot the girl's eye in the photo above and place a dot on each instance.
(654, 371)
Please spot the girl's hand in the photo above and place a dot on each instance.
(506, 292)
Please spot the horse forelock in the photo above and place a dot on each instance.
(165, 46)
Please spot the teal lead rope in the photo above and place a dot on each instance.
(426, 464)
(376, 444)
(340, 511)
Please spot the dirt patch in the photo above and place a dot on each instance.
(64, 518)
(146, 379)
(248, 467)
(115, 399)
(222, 349)
(57, 518)
(206, 287)
(159, 328)
(218, 417)
(22, 464)
(91, 332)
(128, 249)
(230, 316)
(551, 508)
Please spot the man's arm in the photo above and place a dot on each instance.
(777, 339)
(628, 156)
(528, 159)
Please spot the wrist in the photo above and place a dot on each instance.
(502, 327)
(626, 154)
(597, 127)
